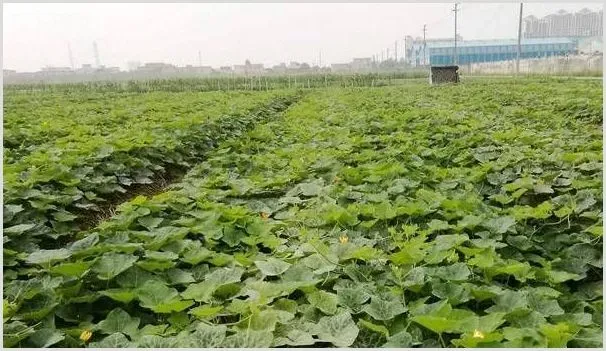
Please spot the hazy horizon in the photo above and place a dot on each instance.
(37, 35)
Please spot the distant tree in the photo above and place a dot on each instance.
(247, 62)
(304, 65)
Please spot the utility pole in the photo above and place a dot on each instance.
(519, 41)
(96, 52)
(424, 44)
(199, 58)
(455, 33)
(71, 57)
(387, 54)
(396, 50)
(320, 59)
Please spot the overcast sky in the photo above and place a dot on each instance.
(36, 35)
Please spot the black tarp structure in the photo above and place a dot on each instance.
(444, 74)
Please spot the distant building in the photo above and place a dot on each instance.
(50, 69)
(473, 51)
(54, 71)
(225, 69)
(585, 23)
(293, 65)
(249, 68)
(8, 72)
(157, 67)
(240, 69)
(361, 64)
(414, 47)
(256, 68)
(304, 66)
(110, 70)
(197, 69)
(281, 68)
(591, 45)
(86, 69)
(133, 65)
(340, 67)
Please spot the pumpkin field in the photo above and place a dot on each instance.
(409, 215)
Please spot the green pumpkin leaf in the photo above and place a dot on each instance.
(205, 311)
(64, 216)
(402, 339)
(249, 339)
(352, 298)
(45, 257)
(150, 222)
(383, 310)
(454, 272)
(119, 321)
(202, 291)
(116, 340)
(111, 264)
(14, 332)
(223, 276)
(294, 337)
(120, 295)
(46, 337)
(557, 335)
(19, 228)
(75, 269)
(156, 342)
(500, 225)
(340, 329)
(272, 266)
(374, 327)
(324, 301)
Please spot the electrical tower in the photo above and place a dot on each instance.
(96, 53)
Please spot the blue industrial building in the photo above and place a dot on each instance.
(441, 52)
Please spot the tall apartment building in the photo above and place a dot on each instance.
(585, 23)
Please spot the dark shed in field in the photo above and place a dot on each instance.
(444, 74)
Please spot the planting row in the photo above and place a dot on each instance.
(67, 179)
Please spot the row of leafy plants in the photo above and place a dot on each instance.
(39, 121)
(465, 216)
(219, 82)
(55, 190)
(55, 120)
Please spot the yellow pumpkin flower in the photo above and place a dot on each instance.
(343, 239)
(264, 215)
(86, 335)
(478, 334)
